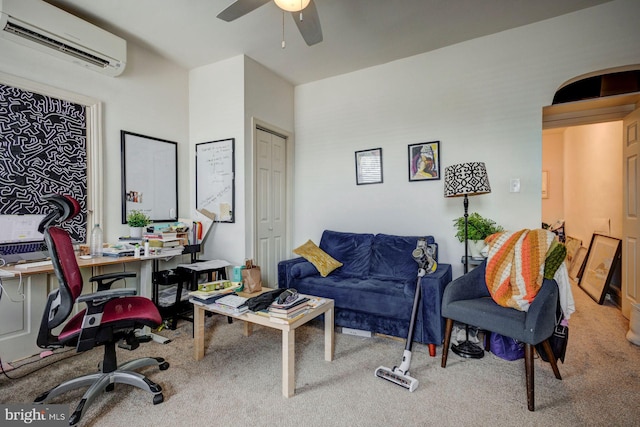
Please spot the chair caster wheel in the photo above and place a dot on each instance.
(158, 398)
(164, 366)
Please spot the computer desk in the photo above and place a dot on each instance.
(20, 319)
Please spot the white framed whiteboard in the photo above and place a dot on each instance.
(215, 178)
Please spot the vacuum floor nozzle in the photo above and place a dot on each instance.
(397, 377)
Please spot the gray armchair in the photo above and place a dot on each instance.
(467, 300)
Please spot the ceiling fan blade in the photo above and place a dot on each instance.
(310, 25)
(240, 8)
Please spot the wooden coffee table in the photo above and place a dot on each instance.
(288, 329)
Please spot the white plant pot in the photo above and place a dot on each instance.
(135, 232)
(475, 248)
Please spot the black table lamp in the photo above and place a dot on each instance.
(466, 179)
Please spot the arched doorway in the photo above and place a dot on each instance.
(608, 96)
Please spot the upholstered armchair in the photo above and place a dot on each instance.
(467, 300)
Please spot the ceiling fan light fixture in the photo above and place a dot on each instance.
(292, 5)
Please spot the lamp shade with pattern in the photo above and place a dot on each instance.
(466, 179)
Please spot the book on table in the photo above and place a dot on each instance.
(295, 312)
(212, 295)
(286, 308)
(233, 304)
(233, 301)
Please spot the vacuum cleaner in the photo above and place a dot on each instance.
(423, 255)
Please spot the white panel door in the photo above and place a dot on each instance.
(630, 223)
(270, 204)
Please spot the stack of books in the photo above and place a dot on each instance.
(231, 304)
(209, 297)
(167, 243)
(290, 310)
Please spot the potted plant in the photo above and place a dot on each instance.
(137, 220)
(478, 229)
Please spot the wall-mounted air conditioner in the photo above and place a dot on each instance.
(46, 28)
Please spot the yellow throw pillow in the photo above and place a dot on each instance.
(319, 258)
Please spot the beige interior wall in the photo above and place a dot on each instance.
(592, 176)
(553, 164)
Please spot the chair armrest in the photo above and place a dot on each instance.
(302, 270)
(106, 280)
(541, 316)
(470, 286)
(97, 299)
(284, 271)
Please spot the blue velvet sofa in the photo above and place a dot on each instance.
(374, 288)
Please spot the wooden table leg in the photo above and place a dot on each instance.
(248, 329)
(288, 362)
(198, 332)
(329, 336)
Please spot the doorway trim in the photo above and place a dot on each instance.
(592, 111)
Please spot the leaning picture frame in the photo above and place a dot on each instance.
(600, 263)
(369, 166)
(424, 161)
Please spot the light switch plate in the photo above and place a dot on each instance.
(514, 186)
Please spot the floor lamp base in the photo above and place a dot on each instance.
(468, 349)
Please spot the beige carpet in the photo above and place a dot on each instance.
(238, 383)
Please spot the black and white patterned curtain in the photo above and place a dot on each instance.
(43, 149)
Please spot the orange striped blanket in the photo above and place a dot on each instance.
(515, 266)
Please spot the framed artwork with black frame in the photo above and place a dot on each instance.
(369, 166)
(149, 176)
(424, 161)
(600, 263)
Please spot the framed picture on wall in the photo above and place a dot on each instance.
(369, 166)
(602, 257)
(424, 161)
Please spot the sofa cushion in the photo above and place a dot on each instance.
(319, 258)
(391, 256)
(352, 249)
(385, 298)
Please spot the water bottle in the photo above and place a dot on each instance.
(96, 241)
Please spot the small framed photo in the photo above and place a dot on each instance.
(369, 166)
(424, 161)
(601, 261)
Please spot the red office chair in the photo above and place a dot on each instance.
(111, 315)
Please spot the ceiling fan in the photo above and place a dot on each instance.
(304, 14)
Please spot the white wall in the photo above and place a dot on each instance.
(482, 99)
(216, 103)
(149, 98)
(223, 98)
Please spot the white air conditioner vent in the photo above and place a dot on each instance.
(48, 29)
